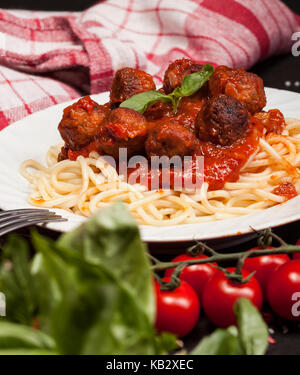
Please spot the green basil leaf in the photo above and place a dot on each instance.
(92, 292)
(176, 101)
(16, 336)
(99, 313)
(253, 331)
(220, 342)
(250, 338)
(102, 320)
(16, 281)
(112, 239)
(165, 343)
(103, 309)
(193, 82)
(47, 292)
(190, 84)
(140, 102)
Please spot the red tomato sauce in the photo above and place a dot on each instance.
(223, 164)
(166, 178)
(286, 190)
(187, 111)
(85, 151)
(273, 120)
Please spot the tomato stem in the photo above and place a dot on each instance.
(264, 238)
(199, 248)
(289, 249)
(154, 260)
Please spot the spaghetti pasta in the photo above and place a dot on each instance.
(88, 184)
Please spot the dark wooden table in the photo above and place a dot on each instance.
(275, 72)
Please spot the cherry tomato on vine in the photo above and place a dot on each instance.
(177, 311)
(284, 291)
(297, 255)
(196, 275)
(220, 294)
(264, 266)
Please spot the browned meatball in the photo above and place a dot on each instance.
(187, 111)
(81, 122)
(222, 121)
(128, 82)
(176, 71)
(246, 87)
(170, 139)
(124, 128)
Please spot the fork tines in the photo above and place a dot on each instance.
(15, 219)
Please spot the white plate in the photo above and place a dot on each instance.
(31, 137)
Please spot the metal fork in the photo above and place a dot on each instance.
(15, 219)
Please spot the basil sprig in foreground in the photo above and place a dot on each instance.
(91, 292)
(250, 337)
(190, 85)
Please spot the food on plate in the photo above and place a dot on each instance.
(123, 127)
(168, 138)
(222, 121)
(177, 71)
(273, 121)
(246, 87)
(128, 82)
(81, 122)
(233, 157)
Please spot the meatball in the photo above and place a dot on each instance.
(158, 110)
(124, 128)
(170, 139)
(128, 82)
(222, 121)
(187, 111)
(81, 122)
(246, 87)
(176, 71)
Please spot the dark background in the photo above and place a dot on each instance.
(49, 4)
(275, 72)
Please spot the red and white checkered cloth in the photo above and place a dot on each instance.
(47, 58)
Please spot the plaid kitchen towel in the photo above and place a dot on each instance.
(49, 57)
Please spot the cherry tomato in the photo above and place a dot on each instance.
(177, 311)
(297, 255)
(220, 294)
(264, 266)
(196, 275)
(284, 290)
